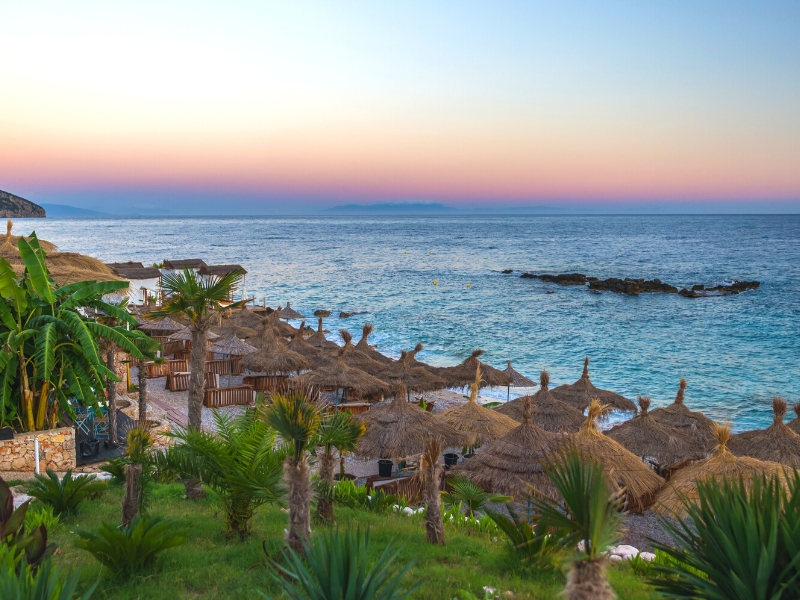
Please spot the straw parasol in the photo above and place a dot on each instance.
(462, 375)
(364, 347)
(678, 415)
(511, 463)
(274, 359)
(412, 374)
(357, 359)
(231, 346)
(399, 429)
(580, 393)
(646, 437)
(482, 423)
(777, 443)
(301, 346)
(794, 424)
(228, 328)
(289, 313)
(185, 335)
(245, 317)
(335, 373)
(318, 339)
(550, 413)
(623, 468)
(161, 325)
(517, 379)
(723, 464)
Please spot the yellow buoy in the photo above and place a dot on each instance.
(434, 282)
(469, 285)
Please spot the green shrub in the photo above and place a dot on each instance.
(19, 581)
(116, 468)
(13, 536)
(334, 566)
(531, 544)
(41, 514)
(470, 495)
(736, 543)
(66, 494)
(347, 493)
(127, 550)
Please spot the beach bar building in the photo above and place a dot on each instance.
(145, 282)
(221, 271)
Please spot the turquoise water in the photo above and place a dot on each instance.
(736, 352)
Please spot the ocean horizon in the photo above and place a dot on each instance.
(735, 351)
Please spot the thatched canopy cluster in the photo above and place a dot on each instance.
(364, 347)
(645, 437)
(580, 393)
(463, 374)
(355, 358)
(517, 378)
(723, 464)
(399, 429)
(483, 424)
(299, 344)
(274, 359)
(334, 373)
(245, 317)
(794, 424)
(318, 339)
(231, 346)
(511, 463)
(627, 470)
(550, 413)
(678, 415)
(412, 373)
(777, 443)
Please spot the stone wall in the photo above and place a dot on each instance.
(56, 451)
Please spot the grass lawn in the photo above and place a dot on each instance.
(212, 565)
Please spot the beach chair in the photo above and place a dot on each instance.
(84, 421)
(101, 431)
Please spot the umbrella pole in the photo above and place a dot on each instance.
(508, 396)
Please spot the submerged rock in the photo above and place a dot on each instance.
(322, 313)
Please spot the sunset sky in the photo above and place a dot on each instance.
(283, 106)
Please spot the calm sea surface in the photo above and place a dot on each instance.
(736, 352)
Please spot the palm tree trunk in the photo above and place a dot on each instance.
(111, 387)
(431, 474)
(196, 378)
(325, 502)
(298, 477)
(142, 377)
(587, 581)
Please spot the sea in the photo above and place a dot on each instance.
(440, 281)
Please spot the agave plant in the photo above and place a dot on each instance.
(740, 540)
(338, 429)
(239, 462)
(297, 420)
(335, 566)
(471, 496)
(589, 520)
(19, 581)
(64, 494)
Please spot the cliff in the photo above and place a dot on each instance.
(14, 206)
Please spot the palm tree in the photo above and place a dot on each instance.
(297, 420)
(199, 299)
(339, 430)
(430, 470)
(239, 462)
(470, 495)
(588, 519)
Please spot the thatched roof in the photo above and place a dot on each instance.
(9, 243)
(723, 464)
(335, 373)
(462, 375)
(364, 347)
(274, 359)
(355, 358)
(517, 378)
(622, 467)
(221, 270)
(298, 344)
(678, 415)
(318, 339)
(244, 317)
(228, 329)
(399, 429)
(185, 335)
(794, 424)
(165, 324)
(777, 443)
(550, 413)
(482, 423)
(644, 436)
(289, 313)
(134, 270)
(184, 263)
(509, 464)
(411, 373)
(231, 346)
(282, 328)
(580, 393)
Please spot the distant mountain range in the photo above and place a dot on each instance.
(15, 207)
(64, 210)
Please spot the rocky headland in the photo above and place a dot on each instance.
(12, 206)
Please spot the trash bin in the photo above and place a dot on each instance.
(450, 459)
(385, 468)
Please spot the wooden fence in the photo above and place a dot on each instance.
(230, 396)
(179, 382)
(355, 408)
(224, 366)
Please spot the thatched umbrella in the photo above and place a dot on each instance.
(550, 413)
(678, 415)
(580, 393)
(482, 423)
(301, 346)
(722, 464)
(246, 318)
(509, 464)
(289, 313)
(462, 375)
(517, 379)
(162, 325)
(335, 373)
(231, 346)
(777, 443)
(626, 470)
(355, 358)
(399, 429)
(228, 329)
(274, 359)
(646, 437)
(364, 347)
(185, 335)
(318, 339)
(412, 374)
(794, 424)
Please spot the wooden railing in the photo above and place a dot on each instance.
(232, 396)
(179, 382)
(224, 366)
(156, 370)
(268, 383)
(173, 348)
(410, 487)
(355, 408)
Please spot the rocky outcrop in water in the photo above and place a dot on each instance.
(15, 207)
(735, 287)
(634, 287)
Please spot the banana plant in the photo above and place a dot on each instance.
(49, 342)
